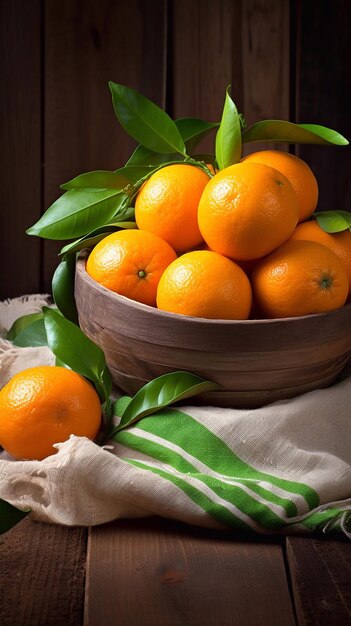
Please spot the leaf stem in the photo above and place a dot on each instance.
(187, 160)
(201, 165)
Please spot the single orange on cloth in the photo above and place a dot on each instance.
(247, 210)
(44, 405)
(299, 278)
(205, 284)
(130, 262)
(166, 205)
(340, 243)
(298, 173)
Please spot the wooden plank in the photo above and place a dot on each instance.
(88, 44)
(206, 55)
(266, 63)
(245, 44)
(320, 572)
(265, 44)
(20, 155)
(155, 572)
(42, 573)
(323, 85)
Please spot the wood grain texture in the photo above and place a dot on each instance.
(323, 87)
(266, 63)
(88, 44)
(20, 154)
(153, 572)
(42, 573)
(245, 44)
(265, 49)
(320, 573)
(206, 58)
(254, 361)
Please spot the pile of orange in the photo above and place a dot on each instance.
(241, 243)
(211, 247)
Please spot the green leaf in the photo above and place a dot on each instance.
(100, 179)
(20, 324)
(160, 393)
(193, 129)
(88, 241)
(334, 221)
(144, 156)
(32, 336)
(63, 288)
(121, 404)
(228, 138)
(124, 213)
(91, 239)
(79, 211)
(137, 173)
(124, 218)
(69, 344)
(145, 121)
(282, 131)
(60, 363)
(10, 516)
(108, 411)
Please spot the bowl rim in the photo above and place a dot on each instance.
(187, 319)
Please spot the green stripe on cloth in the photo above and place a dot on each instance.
(216, 510)
(289, 506)
(194, 438)
(166, 455)
(236, 494)
(320, 520)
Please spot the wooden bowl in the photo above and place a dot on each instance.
(254, 361)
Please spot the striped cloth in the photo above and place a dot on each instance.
(245, 469)
(283, 468)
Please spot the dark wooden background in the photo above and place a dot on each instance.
(284, 59)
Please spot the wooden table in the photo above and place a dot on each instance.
(154, 572)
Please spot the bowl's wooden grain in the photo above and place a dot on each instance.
(255, 361)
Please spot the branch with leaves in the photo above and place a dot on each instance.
(102, 199)
(100, 202)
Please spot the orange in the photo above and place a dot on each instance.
(299, 278)
(130, 262)
(205, 284)
(167, 205)
(44, 405)
(247, 210)
(340, 243)
(298, 173)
